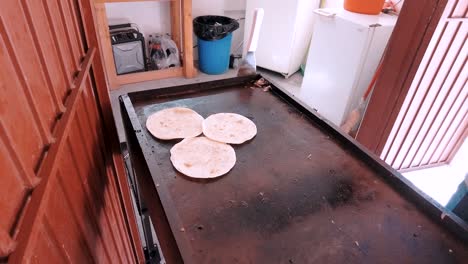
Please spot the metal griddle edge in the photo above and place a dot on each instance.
(143, 164)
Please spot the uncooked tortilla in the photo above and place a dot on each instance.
(172, 123)
(201, 157)
(229, 128)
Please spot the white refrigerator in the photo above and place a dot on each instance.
(285, 33)
(343, 55)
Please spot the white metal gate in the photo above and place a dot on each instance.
(433, 121)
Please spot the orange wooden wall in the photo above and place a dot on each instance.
(59, 195)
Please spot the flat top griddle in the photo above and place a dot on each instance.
(300, 191)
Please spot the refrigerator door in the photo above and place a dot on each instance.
(372, 56)
(285, 33)
(336, 54)
(276, 35)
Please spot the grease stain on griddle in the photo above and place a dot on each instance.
(270, 212)
(273, 212)
(342, 193)
(227, 233)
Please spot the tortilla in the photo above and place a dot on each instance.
(172, 123)
(201, 157)
(229, 128)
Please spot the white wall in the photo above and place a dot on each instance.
(231, 8)
(150, 16)
(332, 3)
(399, 5)
(154, 17)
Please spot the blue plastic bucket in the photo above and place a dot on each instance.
(213, 55)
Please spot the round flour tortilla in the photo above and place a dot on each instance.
(201, 157)
(229, 128)
(172, 123)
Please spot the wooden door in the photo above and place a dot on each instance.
(407, 45)
(62, 198)
(433, 120)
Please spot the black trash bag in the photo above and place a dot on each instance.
(214, 27)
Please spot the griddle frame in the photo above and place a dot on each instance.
(425, 203)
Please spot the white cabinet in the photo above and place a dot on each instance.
(343, 55)
(285, 33)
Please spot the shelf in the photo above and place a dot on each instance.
(181, 27)
(149, 75)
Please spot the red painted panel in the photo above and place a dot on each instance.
(100, 184)
(88, 185)
(48, 48)
(25, 60)
(46, 249)
(58, 28)
(25, 139)
(63, 224)
(11, 200)
(59, 201)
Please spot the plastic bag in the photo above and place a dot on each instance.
(214, 27)
(163, 52)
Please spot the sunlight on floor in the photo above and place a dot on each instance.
(441, 182)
